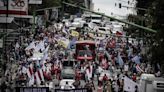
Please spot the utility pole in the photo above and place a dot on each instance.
(62, 8)
(34, 14)
(6, 29)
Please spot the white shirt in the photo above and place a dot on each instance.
(126, 67)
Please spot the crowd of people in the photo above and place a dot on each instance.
(35, 60)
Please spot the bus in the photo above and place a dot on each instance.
(85, 50)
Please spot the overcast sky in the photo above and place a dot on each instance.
(108, 6)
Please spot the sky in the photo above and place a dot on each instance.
(108, 7)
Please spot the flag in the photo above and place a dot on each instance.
(45, 56)
(32, 45)
(31, 81)
(129, 85)
(41, 74)
(64, 30)
(41, 45)
(119, 33)
(30, 71)
(24, 69)
(75, 33)
(138, 68)
(38, 63)
(119, 59)
(37, 78)
(136, 59)
(89, 74)
(46, 50)
(72, 43)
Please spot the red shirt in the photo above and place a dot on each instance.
(105, 78)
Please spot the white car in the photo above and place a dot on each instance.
(63, 84)
(78, 22)
(116, 27)
(103, 31)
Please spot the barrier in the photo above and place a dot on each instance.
(32, 89)
(71, 90)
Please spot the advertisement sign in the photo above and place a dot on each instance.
(35, 1)
(15, 7)
(18, 5)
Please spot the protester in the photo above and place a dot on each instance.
(35, 59)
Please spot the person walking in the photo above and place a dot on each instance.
(108, 86)
(100, 87)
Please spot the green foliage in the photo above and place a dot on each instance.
(50, 3)
(158, 53)
(154, 17)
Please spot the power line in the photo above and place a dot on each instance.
(133, 24)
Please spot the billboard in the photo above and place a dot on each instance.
(15, 7)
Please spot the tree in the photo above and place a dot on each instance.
(155, 11)
(158, 52)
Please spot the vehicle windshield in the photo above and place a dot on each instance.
(82, 53)
(98, 18)
(68, 73)
(101, 51)
(102, 29)
(68, 76)
(68, 64)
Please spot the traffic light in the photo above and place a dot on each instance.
(128, 2)
(120, 5)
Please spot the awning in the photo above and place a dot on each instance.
(6, 20)
(22, 16)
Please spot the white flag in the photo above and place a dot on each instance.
(31, 81)
(129, 85)
(120, 60)
(24, 70)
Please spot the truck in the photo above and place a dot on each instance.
(150, 83)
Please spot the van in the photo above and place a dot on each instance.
(150, 83)
(145, 84)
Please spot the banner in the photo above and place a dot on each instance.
(136, 59)
(75, 33)
(63, 42)
(129, 85)
(32, 89)
(15, 7)
(72, 90)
